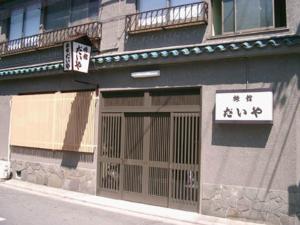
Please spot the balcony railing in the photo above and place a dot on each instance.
(177, 16)
(50, 38)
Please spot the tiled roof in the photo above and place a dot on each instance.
(165, 53)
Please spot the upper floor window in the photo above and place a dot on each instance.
(146, 5)
(161, 14)
(24, 21)
(237, 16)
(62, 13)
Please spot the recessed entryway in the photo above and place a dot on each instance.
(150, 147)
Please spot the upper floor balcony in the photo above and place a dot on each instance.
(29, 25)
(51, 38)
(170, 17)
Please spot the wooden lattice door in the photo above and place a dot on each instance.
(151, 157)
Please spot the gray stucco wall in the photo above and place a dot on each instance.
(249, 171)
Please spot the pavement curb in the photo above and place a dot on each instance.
(124, 207)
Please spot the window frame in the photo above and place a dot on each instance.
(23, 6)
(167, 5)
(138, 3)
(70, 23)
(245, 31)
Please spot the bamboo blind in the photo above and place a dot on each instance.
(60, 121)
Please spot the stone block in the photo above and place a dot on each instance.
(54, 181)
(232, 212)
(31, 178)
(251, 193)
(286, 220)
(244, 205)
(273, 219)
(209, 191)
(259, 206)
(36, 166)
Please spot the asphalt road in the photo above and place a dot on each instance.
(22, 208)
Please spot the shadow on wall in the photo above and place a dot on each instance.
(285, 101)
(40, 153)
(165, 38)
(294, 201)
(77, 122)
(237, 135)
(240, 135)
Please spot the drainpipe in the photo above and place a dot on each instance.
(9, 133)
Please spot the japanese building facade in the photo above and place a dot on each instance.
(141, 124)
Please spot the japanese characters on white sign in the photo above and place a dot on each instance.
(255, 106)
(76, 57)
(68, 56)
(81, 57)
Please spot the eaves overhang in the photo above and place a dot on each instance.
(164, 54)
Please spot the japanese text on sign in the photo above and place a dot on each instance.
(244, 106)
(76, 57)
(67, 56)
(81, 57)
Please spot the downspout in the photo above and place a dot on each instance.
(9, 132)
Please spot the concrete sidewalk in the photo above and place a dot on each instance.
(124, 207)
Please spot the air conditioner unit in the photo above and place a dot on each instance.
(5, 169)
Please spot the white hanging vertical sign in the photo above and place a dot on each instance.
(76, 57)
(68, 60)
(81, 57)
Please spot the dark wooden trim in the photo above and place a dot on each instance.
(152, 109)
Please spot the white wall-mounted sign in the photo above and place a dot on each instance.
(76, 57)
(244, 106)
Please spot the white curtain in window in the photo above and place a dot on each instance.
(15, 29)
(32, 24)
(254, 14)
(146, 5)
(16, 24)
(24, 22)
(32, 19)
(185, 10)
(228, 15)
(155, 17)
(182, 2)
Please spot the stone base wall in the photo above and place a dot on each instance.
(81, 180)
(271, 207)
